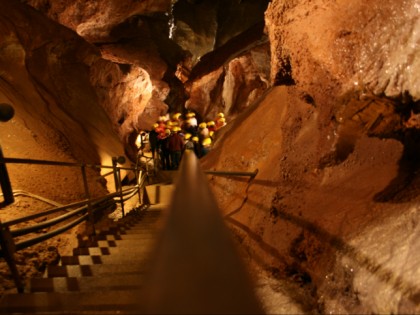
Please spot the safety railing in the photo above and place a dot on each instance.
(75, 213)
(232, 173)
(197, 268)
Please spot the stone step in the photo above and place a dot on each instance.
(98, 270)
(104, 251)
(99, 302)
(86, 284)
(127, 243)
(132, 241)
(115, 257)
(113, 237)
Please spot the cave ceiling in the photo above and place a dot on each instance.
(162, 36)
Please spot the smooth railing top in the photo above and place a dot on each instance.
(232, 173)
(197, 268)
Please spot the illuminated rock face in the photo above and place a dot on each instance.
(322, 100)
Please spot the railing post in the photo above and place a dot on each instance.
(87, 194)
(138, 179)
(117, 179)
(6, 113)
(8, 247)
(6, 187)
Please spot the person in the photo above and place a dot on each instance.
(206, 146)
(153, 139)
(203, 131)
(175, 147)
(211, 126)
(191, 123)
(188, 143)
(197, 146)
(163, 140)
(177, 120)
(220, 121)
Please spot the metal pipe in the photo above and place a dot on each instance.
(51, 211)
(45, 224)
(26, 243)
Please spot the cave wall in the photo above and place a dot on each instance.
(46, 78)
(328, 144)
(325, 110)
(233, 87)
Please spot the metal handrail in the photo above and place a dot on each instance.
(86, 209)
(57, 163)
(232, 173)
(196, 266)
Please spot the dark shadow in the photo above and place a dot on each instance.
(402, 188)
(408, 290)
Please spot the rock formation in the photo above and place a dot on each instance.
(321, 96)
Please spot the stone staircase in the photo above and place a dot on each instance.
(105, 274)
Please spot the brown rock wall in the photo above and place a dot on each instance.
(45, 76)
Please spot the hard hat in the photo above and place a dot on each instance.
(206, 142)
(155, 125)
(211, 134)
(202, 125)
(222, 119)
(220, 115)
(210, 123)
(190, 114)
(195, 139)
(169, 123)
(187, 136)
(176, 129)
(168, 131)
(176, 116)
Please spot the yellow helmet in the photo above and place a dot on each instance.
(176, 129)
(210, 123)
(195, 139)
(155, 125)
(168, 131)
(211, 134)
(220, 115)
(190, 114)
(222, 119)
(176, 116)
(202, 125)
(187, 136)
(206, 141)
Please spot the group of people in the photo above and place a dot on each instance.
(171, 135)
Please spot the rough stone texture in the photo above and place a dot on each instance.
(232, 88)
(94, 20)
(336, 146)
(45, 76)
(322, 181)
